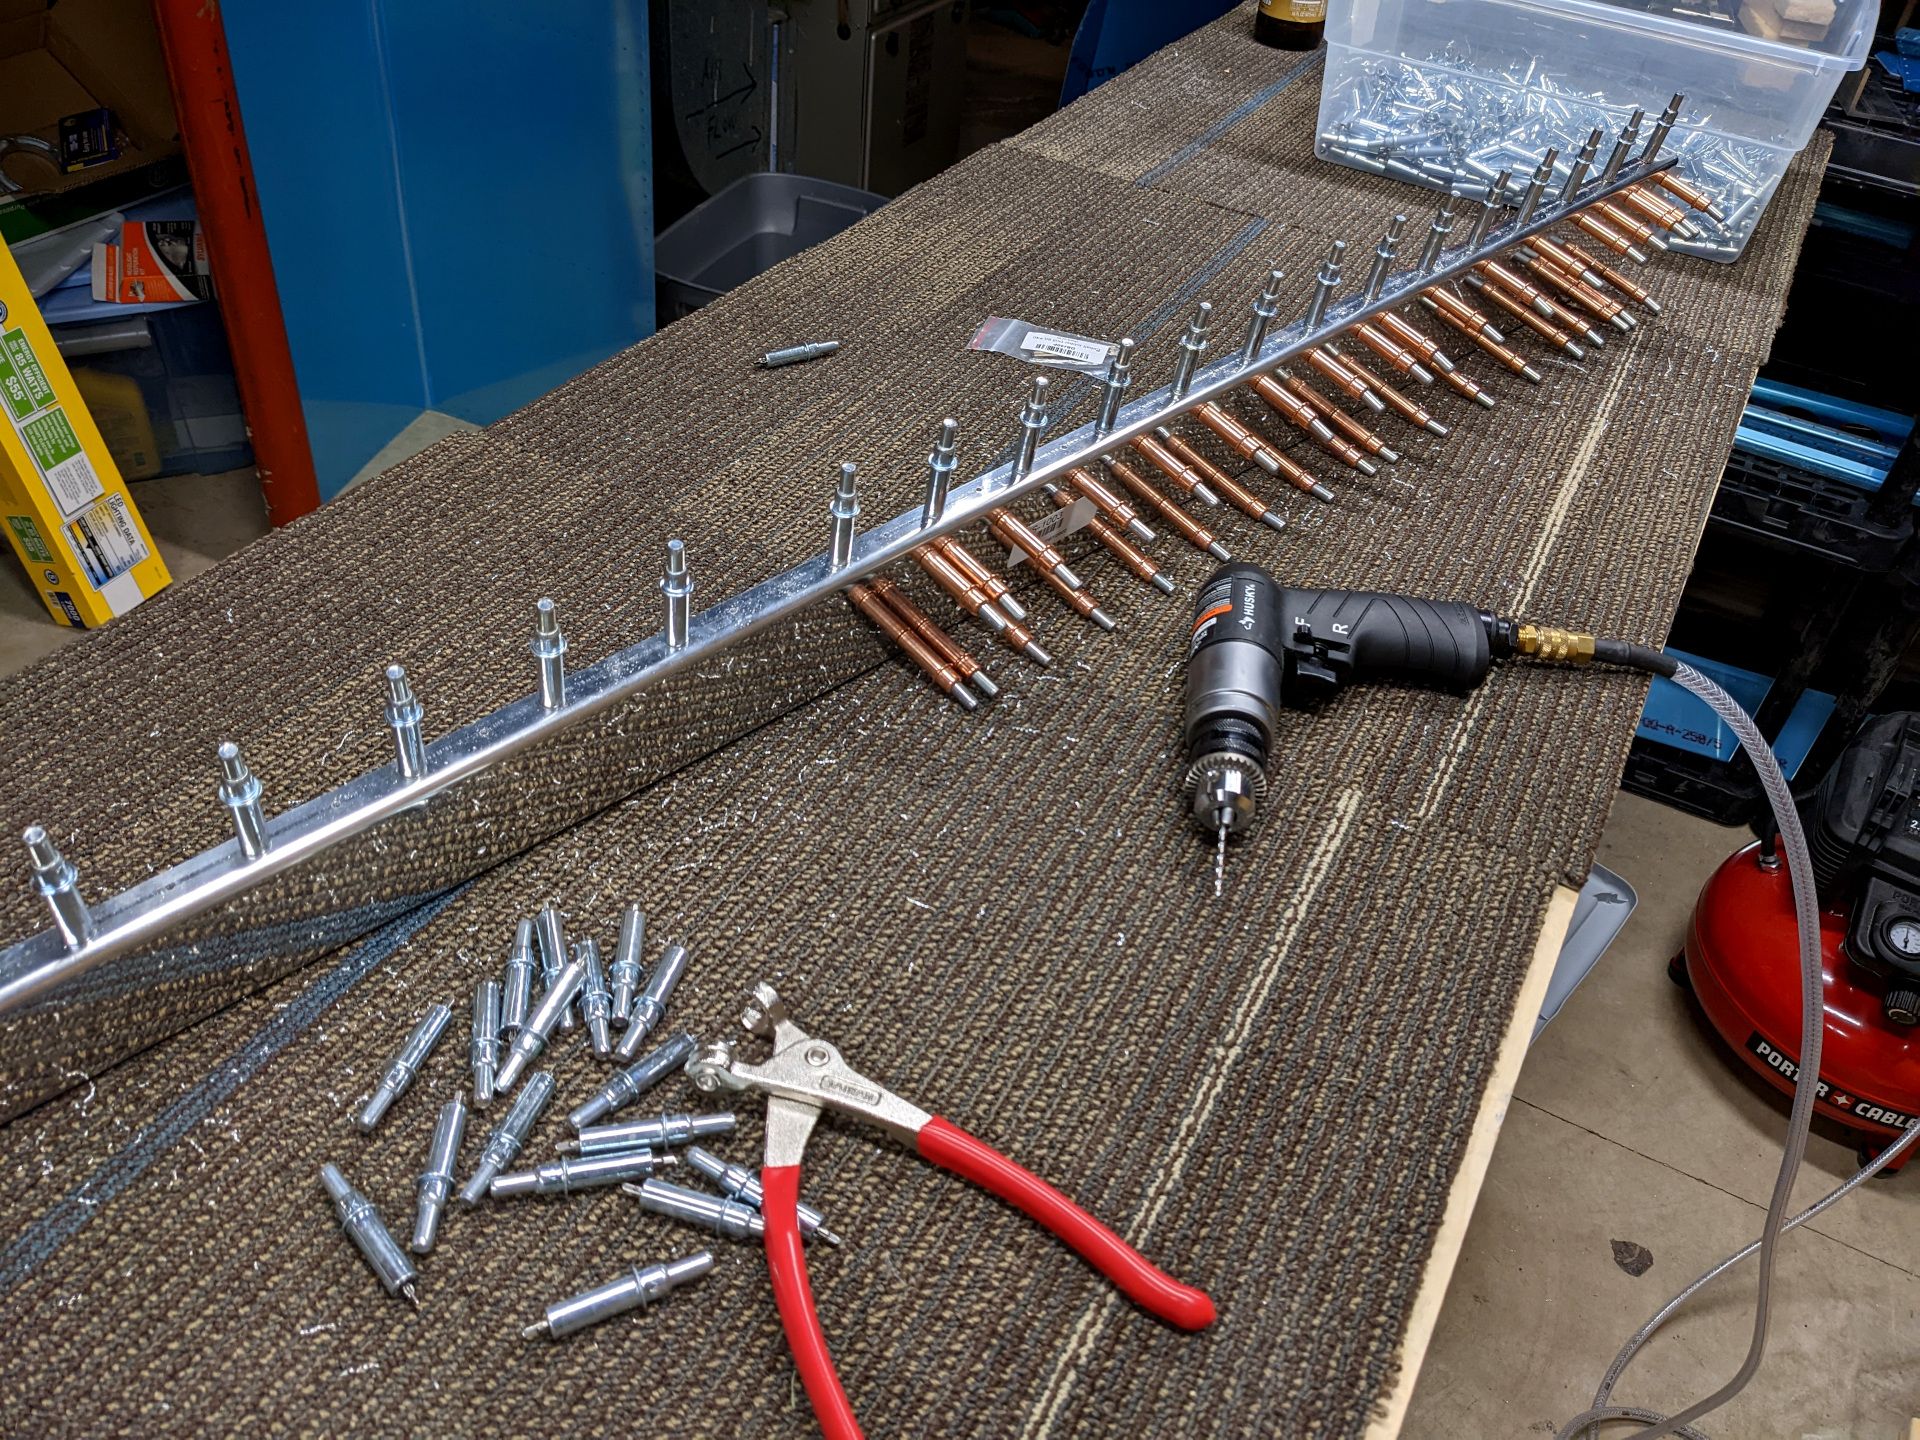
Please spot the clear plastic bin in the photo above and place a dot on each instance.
(1447, 93)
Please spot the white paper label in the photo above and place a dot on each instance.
(1055, 526)
(106, 540)
(1045, 345)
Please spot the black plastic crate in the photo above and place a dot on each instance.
(1727, 792)
(1876, 133)
(1783, 503)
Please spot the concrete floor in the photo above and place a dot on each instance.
(1626, 1127)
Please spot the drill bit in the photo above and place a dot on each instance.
(624, 973)
(632, 1291)
(656, 1133)
(483, 1050)
(941, 643)
(1131, 557)
(1014, 533)
(1108, 501)
(743, 1185)
(436, 1181)
(943, 676)
(550, 650)
(1185, 478)
(1177, 520)
(1220, 862)
(240, 793)
(570, 1173)
(370, 1235)
(516, 998)
(650, 1005)
(630, 1084)
(1243, 499)
(550, 936)
(1251, 446)
(1391, 351)
(532, 1040)
(508, 1136)
(596, 1001)
(405, 1065)
(1400, 405)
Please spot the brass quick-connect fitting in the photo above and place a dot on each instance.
(1556, 647)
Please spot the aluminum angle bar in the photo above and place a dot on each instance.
(144, 912)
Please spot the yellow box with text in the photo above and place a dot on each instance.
(66, 509)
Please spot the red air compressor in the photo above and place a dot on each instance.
(1742, 961)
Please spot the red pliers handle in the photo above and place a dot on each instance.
(806, 1075)
(952, 1148)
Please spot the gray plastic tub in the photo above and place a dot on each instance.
(752, 225)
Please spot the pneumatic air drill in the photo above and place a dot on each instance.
(1258, 646)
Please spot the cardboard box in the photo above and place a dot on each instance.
(75, 57)
(66, 509)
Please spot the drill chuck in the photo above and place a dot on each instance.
(1233, 696)
(1258, 647)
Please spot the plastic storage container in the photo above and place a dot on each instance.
(750, 226)
(1448, 93)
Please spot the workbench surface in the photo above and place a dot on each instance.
(1004, 915)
